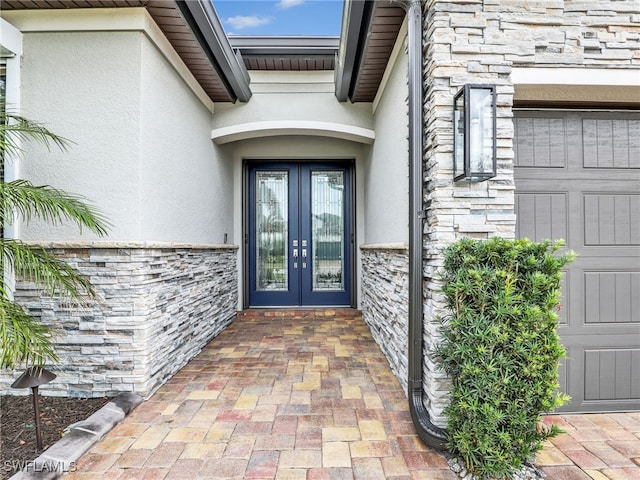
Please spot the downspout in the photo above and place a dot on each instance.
(431, 434)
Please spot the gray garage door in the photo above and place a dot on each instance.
(578, 178)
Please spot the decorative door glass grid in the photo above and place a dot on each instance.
(327, 230)
(272, 230)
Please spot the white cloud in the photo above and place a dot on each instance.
(247, 21)
(289, 3)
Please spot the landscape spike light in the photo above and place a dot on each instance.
(32, 378)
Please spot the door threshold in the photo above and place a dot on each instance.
(298, 312)
(299, 307)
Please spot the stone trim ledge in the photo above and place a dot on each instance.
(400, 246)
(62, 456)
(133, 244)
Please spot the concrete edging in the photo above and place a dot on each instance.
(61, 457)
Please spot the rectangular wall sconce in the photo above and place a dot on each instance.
(474, 133)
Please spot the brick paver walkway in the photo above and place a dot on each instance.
(308, 395)
(596, 446)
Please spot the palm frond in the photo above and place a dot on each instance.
(15, 127)
(48, 204)
(42, 268)
(23, 338)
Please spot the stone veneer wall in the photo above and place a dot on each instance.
(481, 41)
(385, 302)
(157, 306)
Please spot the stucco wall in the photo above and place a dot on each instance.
(85, 86)
(303, 96)
(384, 271)
(186, 187)
(387, 171)
(142, 150)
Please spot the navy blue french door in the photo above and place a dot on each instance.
(299, 244)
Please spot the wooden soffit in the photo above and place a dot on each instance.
(167, 16)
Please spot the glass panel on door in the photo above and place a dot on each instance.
(299, 242)
(272, 223)
(327, 230)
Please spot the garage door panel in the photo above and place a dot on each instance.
(612, 219)
(602, 378)
(609, 297)
(602, 297)
(610, 374)
(634, 144)
(598, 143)
(540, 142)
(543, 216)
(593, 202)
(610, 143)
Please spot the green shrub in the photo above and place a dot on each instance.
(501, 349)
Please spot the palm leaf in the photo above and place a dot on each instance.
(24, 338)
(38, 266)
(15, 128)
(48, 204)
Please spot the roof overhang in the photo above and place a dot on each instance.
(356, 20)
(194, 31)
(290, 53)
(219, 64)
(206, 26)
(369, 32)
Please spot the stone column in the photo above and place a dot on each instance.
(462, 44)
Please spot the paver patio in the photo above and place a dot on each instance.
(307, 394)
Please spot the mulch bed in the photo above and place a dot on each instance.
(17, 429)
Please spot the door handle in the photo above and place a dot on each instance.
(295, 258)
(304, 257)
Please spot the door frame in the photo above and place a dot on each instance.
(247, 164)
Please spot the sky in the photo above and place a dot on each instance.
(280, 17)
